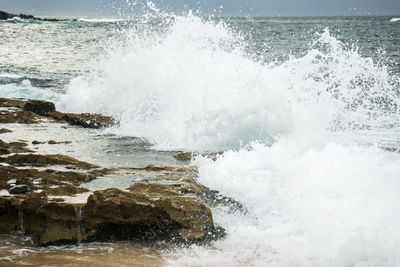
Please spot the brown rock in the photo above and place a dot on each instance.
(184, 156)
(52, 142)
(48, 222)
(66, 190)
(149, 211)
(13, 147)
(44, 179)
(46, 160)
(32, 111)
(18, 116)
(3, 130)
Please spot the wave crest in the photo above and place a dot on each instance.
(186, 83)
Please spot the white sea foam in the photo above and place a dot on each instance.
(302, 136)
(9, 75)
(309, 203)
(20, 20)
(101, 20)
(395, 20)
(25, 89)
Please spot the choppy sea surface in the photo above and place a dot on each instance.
(307, 111)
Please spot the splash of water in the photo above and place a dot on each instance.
(190, 86)
(313, 195)
(309, 203)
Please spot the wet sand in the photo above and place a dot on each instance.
(19, 251)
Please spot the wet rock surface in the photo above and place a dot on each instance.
(29, 111)
(43, 195)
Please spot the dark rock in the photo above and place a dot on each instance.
(35, 142)
(33, 111)
(8, 215)
(86, 120)
(19, 189)
(184, 156)
(6, 16)
(188, 156)
(39, 107)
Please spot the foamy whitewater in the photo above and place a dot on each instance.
(311, 142)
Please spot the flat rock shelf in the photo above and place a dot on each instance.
(49, 192)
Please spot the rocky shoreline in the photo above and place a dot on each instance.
(41, 193)
(5, 16)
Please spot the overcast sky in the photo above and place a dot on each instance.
(224, 7)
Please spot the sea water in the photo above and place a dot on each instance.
(307, 111)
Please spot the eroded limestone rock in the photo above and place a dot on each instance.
(168, 204)
(33, 111)
(37, 160)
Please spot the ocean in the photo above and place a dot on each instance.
(305, 109)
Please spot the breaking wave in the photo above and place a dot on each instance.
(191, 87)
(304, 138)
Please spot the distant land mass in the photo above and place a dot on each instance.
(5, 16)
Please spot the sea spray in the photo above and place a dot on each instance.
(309, 202)
(191, 86)
(302, 137)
